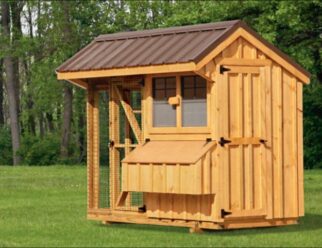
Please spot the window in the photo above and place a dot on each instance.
(191, 111)
(164, 115)
(194, 101)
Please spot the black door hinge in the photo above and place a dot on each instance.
(142, 209)
(223, 141)
(111, 143)
(208, 140)
(224, 213)
(222, 69)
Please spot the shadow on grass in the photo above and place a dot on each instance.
(308, 223)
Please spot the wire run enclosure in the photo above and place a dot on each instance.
(214, 142)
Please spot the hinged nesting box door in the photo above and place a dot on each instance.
(242, 138)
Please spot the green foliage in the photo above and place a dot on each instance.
(5, 146)
(313, 127)
(40, 150)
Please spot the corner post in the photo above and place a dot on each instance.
(92, 148)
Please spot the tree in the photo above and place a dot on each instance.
(1, 94)
(68, 93)
(11, 80)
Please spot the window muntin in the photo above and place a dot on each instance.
(164, 115)
(194, 101)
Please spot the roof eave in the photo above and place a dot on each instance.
(127, 71)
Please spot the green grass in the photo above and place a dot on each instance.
(46, 206)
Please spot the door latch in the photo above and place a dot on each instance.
(224, 213)
(223, 141)
(222, 69)
(263, 141)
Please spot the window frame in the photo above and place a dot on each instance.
(178, 129)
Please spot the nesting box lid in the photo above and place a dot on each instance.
(169, 152)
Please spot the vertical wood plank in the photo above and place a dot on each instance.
(248, 151)
(295, 141)
(263, 179)
(300, 148)
(95, 147)
(290, 188)
(206, 182)
(90, 106)
(258, 102)
(278, 142)
(179, 95)
(114, 122)
(269, 143)
(224, 131)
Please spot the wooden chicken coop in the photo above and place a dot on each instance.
(216, 139)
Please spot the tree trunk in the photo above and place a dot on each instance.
(1, 94)
(68, 93)
(11, 87)
(41, 125)
(16, 8)
(50, 122)
(31, 123)
(67, 119)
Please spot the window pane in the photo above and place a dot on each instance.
(170, 93)
(159, 83)
(164, 115)
(194, 103)
(201, 93)
(188, 93)
(200, 82)
(188, 82)
(171, 83)
(159, 95)
(194, 113)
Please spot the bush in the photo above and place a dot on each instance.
(5, 146)
(39, 151)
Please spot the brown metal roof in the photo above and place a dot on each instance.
(147, 47)
(157, 46)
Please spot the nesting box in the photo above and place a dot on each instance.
(216, 138)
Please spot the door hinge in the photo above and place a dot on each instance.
(224, 213)
(222, 69)
(142, 209)
(223, 141)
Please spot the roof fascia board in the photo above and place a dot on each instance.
(242, 32)
(128, 71)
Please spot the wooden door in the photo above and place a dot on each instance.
(242, 141)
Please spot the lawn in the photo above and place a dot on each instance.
(46, 206)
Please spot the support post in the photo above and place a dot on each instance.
(92, 148)
(114, 123)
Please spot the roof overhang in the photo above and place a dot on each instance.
(128, 71)
(242, 30)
